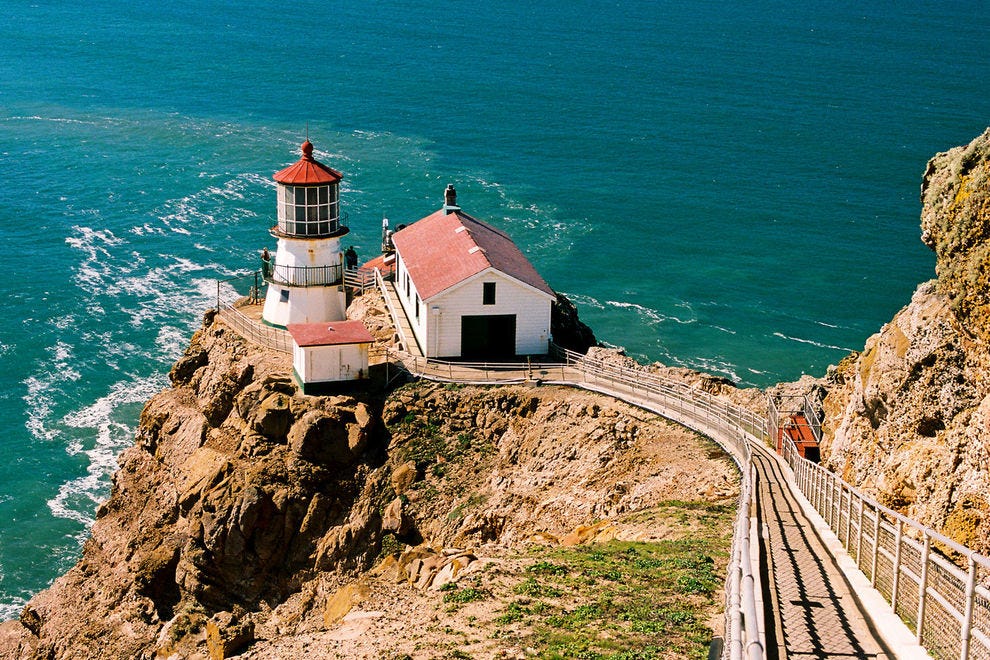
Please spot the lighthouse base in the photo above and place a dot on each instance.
(315, 304)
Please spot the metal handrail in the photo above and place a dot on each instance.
(949, 617)
(884, 543)
(301, 276)
(259, 333)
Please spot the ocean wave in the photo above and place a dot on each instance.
(56, 120)
(653, 316)
(77, 498)
(11, 610)
(582, 299)
(98, 265)
(814, 343)
(40, 398)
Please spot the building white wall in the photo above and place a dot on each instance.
(308, 252)
(323, 364)
(438, 327)
(530, 307)
(408, 300)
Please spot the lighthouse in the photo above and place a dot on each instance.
(305, 275)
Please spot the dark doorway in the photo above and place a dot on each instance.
(488, 337)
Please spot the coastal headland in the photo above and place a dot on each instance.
(248, 518)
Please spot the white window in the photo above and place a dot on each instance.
(308, 210)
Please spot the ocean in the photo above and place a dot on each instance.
(729, 187)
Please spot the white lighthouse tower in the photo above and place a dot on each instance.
(305, 276)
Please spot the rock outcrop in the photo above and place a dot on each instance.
(247, 512)
(908, 419)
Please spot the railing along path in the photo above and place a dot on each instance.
(947, 607)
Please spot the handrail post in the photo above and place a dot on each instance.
(923, 588)
(967, 623)
(859, 535)
(897, 564)
(849, 519)
(876, 546)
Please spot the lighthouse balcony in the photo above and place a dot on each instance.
(302, 276)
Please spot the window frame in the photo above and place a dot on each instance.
(308, 210)
(488, 293)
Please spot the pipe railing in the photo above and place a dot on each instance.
(947, 607)
(301, 276)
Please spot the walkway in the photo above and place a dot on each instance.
(788, 592)
(811, 613)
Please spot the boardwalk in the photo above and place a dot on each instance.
(811, 612)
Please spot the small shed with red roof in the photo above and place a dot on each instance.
(467, 289)
(330, 352)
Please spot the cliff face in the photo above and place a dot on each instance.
(908, 419)
(244, 505)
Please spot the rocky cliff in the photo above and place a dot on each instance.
(246, 516)
(908, 418)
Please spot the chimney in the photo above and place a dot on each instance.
(450, 199)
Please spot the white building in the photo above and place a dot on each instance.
(327, 353)
(305, 276)
(467, 290)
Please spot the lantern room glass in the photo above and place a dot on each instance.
(308, 210)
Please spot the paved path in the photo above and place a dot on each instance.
(811, 613)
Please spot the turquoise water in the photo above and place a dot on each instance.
(731, 188)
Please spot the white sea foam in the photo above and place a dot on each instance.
(76, 498)
(587, 301)
(652, 316)
(96, 268)
(813, 343)
(12, 609)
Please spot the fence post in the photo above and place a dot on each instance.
(876, 547)
(859, 535)
(830, 500)
(218, 296)
(849, 519)
(897, 564)
(923, 587)
(967, 623)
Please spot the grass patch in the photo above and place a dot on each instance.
(460, 596)
(625, 600)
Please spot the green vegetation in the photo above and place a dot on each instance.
(462, 595)
(625, 600)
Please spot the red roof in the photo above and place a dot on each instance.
(332, 333)
(444, 249)
(307, 171)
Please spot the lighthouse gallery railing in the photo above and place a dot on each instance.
(302, 276)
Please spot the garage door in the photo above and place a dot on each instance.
(488, 337)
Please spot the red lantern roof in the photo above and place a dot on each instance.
(308, 171)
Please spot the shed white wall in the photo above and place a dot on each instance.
(323, 364)
(530, 307)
